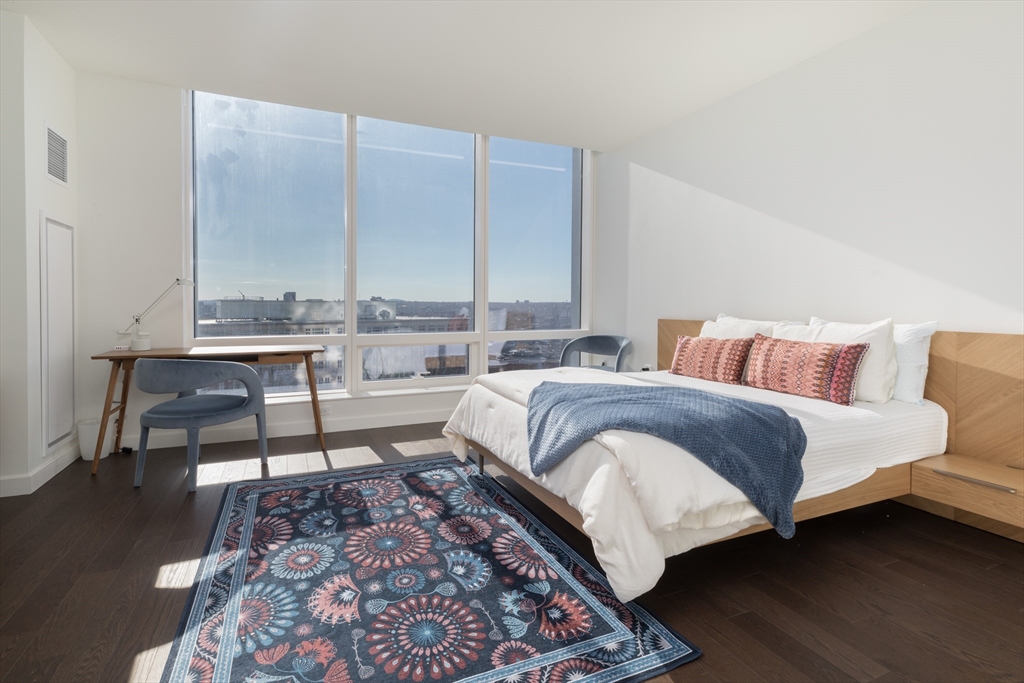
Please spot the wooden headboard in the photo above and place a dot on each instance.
(978, 378)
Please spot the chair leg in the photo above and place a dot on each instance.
(193, 458)
(261, 432)
(140, 463)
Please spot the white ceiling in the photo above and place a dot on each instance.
(588, 74)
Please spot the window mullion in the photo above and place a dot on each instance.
(189, 298)
(352, 362)
(587, 243)
(481, 295)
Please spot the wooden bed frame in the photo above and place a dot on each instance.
(978, 378)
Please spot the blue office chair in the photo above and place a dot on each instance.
(192, 411)
(601, 345)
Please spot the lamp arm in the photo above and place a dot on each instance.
(138, 318)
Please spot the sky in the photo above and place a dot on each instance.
(270, 208)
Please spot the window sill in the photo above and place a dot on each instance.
(325, 396)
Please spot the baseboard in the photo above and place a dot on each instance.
(242, 430)
(24, 484)
(245, 430)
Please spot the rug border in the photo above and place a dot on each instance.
(179, 631)
(695, 652)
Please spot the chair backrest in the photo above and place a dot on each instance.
(165, 376)
(601, 345)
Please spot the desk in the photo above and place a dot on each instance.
(250, 355)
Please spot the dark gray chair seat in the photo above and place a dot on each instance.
(600, 345)
(191, 411)
(197, 407)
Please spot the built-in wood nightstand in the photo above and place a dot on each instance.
(971, 485)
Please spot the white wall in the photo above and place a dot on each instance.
(132, 246)
(883, 177)
(131, 243)
(46, 98)
(13, 294)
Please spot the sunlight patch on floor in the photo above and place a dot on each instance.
(292, 464)
(353, 457)
(210, 473)
(177, 574)
(423, 447)
(149, 664)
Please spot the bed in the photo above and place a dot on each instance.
(641, 500)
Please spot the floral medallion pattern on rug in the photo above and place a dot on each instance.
(416, 572)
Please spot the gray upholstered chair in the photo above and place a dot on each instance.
(192, 411)
(601, 345)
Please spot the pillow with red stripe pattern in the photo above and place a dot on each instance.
(717, 360)
(812, 369)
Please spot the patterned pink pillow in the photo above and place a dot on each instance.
(812, 369)
(717, 360)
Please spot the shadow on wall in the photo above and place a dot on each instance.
(714, 255)
(904, 145)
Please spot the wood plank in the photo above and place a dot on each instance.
(904, 658)
(27, 512)
(887, 600)
(963, 568)
(942, 600)
(61, 625)
(745, 648)
(157, 613)
(795, 653)
(693, 672)
(718, 657)
(88, 657)
(22, 568)
(857, 665)
(11, 648)
(963, 536)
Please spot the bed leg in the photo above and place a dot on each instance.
(480, 461)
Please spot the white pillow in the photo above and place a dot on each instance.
(877, 374)
(912, 345)
(734, 329)
(728, 327)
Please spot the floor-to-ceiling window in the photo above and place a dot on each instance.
(455, 254)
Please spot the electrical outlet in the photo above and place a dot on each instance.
(325, 411)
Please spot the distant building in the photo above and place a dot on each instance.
(255, 316)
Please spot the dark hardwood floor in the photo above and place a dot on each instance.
(94, 575)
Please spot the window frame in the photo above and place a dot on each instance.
(475, 340)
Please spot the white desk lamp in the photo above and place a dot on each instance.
(140, 339)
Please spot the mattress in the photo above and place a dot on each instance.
(643, 499)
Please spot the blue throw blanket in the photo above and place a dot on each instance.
(755, 447)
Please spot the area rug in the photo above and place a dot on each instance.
(423, 571)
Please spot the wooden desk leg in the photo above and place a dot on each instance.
(311, 376)
(115, 367)
(125, 386)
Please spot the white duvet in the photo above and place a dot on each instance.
(643, 499)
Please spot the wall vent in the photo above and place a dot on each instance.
(56, 156)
